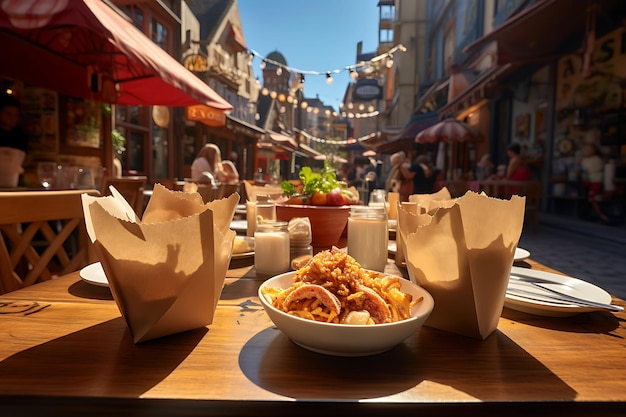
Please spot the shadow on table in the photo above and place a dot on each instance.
(57, 367)
(93, 292)
(462, 367)
(590, 322)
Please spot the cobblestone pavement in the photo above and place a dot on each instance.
(592, 252)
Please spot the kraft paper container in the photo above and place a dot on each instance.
(271, 192)
(418, 204)
(166, 272)
(462, 253)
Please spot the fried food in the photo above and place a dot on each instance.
(332, 287)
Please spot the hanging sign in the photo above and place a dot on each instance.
(207, 115)
(367, 89)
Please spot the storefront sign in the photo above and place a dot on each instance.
(600, 88)
(207, 115)
(367, 89)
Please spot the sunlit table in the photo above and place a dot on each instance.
(65, 350)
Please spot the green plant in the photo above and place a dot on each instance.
(118, 142)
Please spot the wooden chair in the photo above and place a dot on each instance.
(226, 190)
(131, 188)
(42, 235)
(529, 189)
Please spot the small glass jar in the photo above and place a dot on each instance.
(368, 236)
(271, 248)
(300, 239)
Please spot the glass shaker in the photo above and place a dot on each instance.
(271, 248)
(368, 236)
(300, 240)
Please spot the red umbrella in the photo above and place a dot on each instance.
(449, 130)
(85, 48)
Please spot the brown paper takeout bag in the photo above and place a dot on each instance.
(461, 251)
(166, 272)
(418, 204)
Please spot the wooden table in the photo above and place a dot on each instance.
(66, 351)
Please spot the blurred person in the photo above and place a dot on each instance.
(516, 169)
(11, 134)
(347, 173)
(592, 166)
(422, 175)
(484, 167)
(13, 141)
(396, 181)
(208, 166)
(232, 175)
(500, 173)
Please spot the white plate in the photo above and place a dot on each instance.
(239, 225)
(94, 274)
(521, 254)
(244, 255)
(543, 306)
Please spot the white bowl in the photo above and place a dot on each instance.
(347, 339)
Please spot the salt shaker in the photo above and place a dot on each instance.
(271, 248)
(368, 236)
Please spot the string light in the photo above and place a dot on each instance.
(339, 142)
(365, 65)
(329, 78)
(360, 115)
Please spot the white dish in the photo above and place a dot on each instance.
(521, 254)
(244, 255)
(239, 226)
(94, 274)
(346, 339)
(544, 306)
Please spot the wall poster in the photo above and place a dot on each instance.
(83, 119)
(40, 118)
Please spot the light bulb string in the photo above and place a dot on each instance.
(338, 142)
(388, 54)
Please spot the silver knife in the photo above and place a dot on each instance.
(561, 298)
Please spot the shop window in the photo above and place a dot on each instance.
(159, 34)
(132, 122)
(135, 151)
(136, 15)
(386, 36)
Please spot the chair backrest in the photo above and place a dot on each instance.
(42, 235)
(131, 188)
(226, 190)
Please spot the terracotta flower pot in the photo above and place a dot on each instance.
(327, 222)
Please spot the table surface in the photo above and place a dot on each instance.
(66, 351)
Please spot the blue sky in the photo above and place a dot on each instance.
(312, 35)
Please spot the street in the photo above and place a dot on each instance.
(591, 252)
